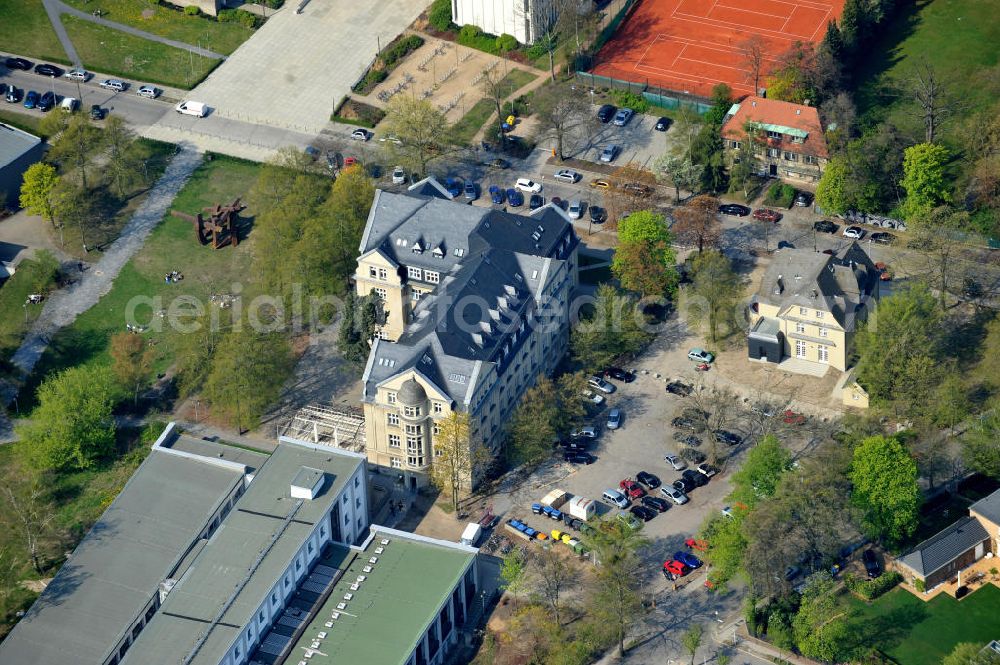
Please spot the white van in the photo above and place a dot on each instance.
(616, 498)
(197, 109)
(69, 104)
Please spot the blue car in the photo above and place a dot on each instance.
(31, 99)
(496, 195)
(515, 198)
(454, 186)
(688, 559)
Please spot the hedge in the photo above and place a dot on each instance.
(244, 18)
(627, 99)
(872, 589)
(439, 15)
(399, 49)
(780, 195)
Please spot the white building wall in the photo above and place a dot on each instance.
(520, 18)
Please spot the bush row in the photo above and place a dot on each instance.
(399, 49)
(872, 589)
(627, 99)
(780, 195)
(244, 18)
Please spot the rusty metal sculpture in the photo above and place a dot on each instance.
(221, 228)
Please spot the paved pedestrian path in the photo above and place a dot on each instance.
(65, 305)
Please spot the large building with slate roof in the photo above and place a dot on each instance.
(809, 304)
(476, 307)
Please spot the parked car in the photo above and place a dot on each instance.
(535, 201)
(31, 99)
(528, 185)
(69, 104)
(609, 153)
(803, 199)
(656, 503)
(567, 175)
(688, 559)
(687, 439)
(674, 494)
(682, 422)
(593, 398)
(643, 513)
(17, 63)
(618, 374)
(700, 355)
(113, 84)
(872, 566)
(854, 232)
(14, 95)
(606, 112)
(47, 102)
(674, 569)
(578, 446)
(706, 469)
(683, 484)
(734, 210)
(588, 432)
(728, 438)
(399, 177)
(579, 457)
(629, 520)
(96, 112)
(78, 75)
(696, 544)
(675, 462)
(600, 183)
(454, 186)
(361, 134)
(148, 91)
(598, 215)
(825, 226)
(767, 215)
(882, 238)
(614, 419)
(622, 117)
(496, 195)
(575, 210)
(615, 497)
(679, 388)
(46, 69)
(648, 479)
(663, 124)
(500, 163)
(699, 479)
(600, 384)
(471, 191)
(515, 198)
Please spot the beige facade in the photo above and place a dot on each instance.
(811, 334)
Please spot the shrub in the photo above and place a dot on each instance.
(399, 49)
(275, 4)
(192, 10)
(439, 15)
(537, 51)
(627, 99)
(469, 32)
(371, 79)
(506, 42)
(473, 37)
(872, 589)
(244, 18)
(919, 585)
(780, 195)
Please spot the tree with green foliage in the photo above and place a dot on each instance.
(72, 427)
(832, 192)
(546, 410)
(714, 292)
(885, 488)
(439, 15)
(614, 329)
(75, 145)
(37, 190)
(691, 639)
(73, 206)
(360, 320)
(924, 178)
(29, 516)
(680, 172)
(132, 362)
(822, 624)
(417, 125)
(513, 573)
(758, 478)
(981, 445)
(971, 653)
(124, 158)
(645, 260)
(726, 546)
(457, 459)
(616, 600)
(706, 148)
(853, 26)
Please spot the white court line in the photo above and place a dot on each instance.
(711, 46)
(822, 25)
(785, 24)
(678, 57)
(751, 11)
(740, 28)
(695, 78)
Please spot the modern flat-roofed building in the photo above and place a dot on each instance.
(18, 151)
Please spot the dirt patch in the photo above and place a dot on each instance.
(36, 586)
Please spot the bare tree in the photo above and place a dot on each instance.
(555, 575)
(697, 222)
(490, 83)
(935, 102)
(753, 51)
(680, 172)
(717, 409)
(632, 187)
(30, 516)
(558, 111)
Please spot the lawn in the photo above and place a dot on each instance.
(959, 38)
(113, 52)
(473, 120)
(171, 23)
(171, 246)
(914, 632)
(32, 276)
(25, 30)
(28, 123)
(515, 80)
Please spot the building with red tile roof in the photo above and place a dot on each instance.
(790, 137)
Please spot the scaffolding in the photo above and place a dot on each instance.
(337, 427)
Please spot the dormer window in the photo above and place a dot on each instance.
(417, 247)
(414, 273)
(459, 252)
(774, 135)
(432, 277)
(439, 252)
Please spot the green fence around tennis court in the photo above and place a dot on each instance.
(655, 96)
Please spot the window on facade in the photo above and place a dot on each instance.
(803, 311)
(394, 441)
(823, 332)
(411, 411)
(390, 398)
(437, 429)
(344, 500)
(414, 443)
(773, 135)
(414, 273)
(800, 349)
(800, 328)
(382, 274)
(347, 520)
(310, 547)
(392, 419)
(819, 314)
(736, 145)
(415, 460)
(809, 159)
(414, 429)
(415, 295)
(431, 276)
(773, 152)
(823, 353)
(791, 156)
(288, 581)
(262, 618)
(438, 407)
(381, 293)
(274, 598)
(396, 463)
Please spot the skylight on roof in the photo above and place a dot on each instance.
(457, 378)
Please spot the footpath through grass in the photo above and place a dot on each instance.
(140, 286)
(25, 30)
(114, 52)
(483, 110)
(171, 23)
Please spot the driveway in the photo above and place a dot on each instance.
(298, 66)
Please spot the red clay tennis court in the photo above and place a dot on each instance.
(689, 46)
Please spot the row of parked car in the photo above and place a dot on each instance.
(81, 75)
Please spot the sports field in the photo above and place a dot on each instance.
(691, 45)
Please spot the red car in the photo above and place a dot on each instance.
(673, 569)
(765, 215)
(632, 489)
(700, 545)
(350, 161)
(792, 418)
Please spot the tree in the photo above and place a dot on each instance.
(761, 473)
(358, 325)
(616, 600)
(885, 488)
(645, 260)
(839, 118)
(971, 653)
(72, 427)
(630, 187)
(29, 514)
(533, 428)
(832, 192)
(717, 287)
(753, 51)
(613, 330)
(73, 206)
(513, 571)
(821, 626)
(981, 445)
(417, 125)
(124, 162)
(936, 232)
(76, 144)
(457, 458)
(691, 639)
(37, 190)
(853, 25)
(935, 104)
(924, 178)
(680, 172)
(558, 112)
(697, 222)
(132, 362)
(744, 174)
(794, 79)
(555, 576)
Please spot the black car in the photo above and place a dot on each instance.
(656, 503)
(683, 484)
(46, 102)
(536, 201)
(825, 226)
(699, 479)
(643, 513)
(499, 163)
(49, 70)
(96, 112)
(734, 209)
(881, 237)
(687, 439)
(13, 95)
(618, 374)
(663, 124)
(679, 388)
(728, 438)
(872, 566)
(803, 199)
(17, 63)
(648, 479)
(578, 446)
(597, 214)
(606, 112)
(579, 457)
(684, 422)
(3, 89)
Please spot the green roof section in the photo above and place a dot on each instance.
(388, 614)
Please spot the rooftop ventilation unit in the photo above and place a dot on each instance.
(307, 483)
(341, 606)
(348, 596)
(373, 560)
(367, 569)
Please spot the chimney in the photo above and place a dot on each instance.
(778, 286)
(798, 111)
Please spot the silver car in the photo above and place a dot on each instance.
(676, 462)
(114, 84)
(575, 210)
(622, 117)
(614, 419)
(148, 91)
(609, 153)
(674, 494)
(398, 176)
(567, 175)
(78, 75)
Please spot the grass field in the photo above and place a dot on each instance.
(171, 23)
(959, 38)
(914, 632)
(25, 30)
(171, 246)
(515, 79)
(29, 123)
(113, 52)
(473, 120)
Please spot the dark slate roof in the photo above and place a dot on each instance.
(14, 143)
(988, 507)
(803, 278)
(944, 547)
